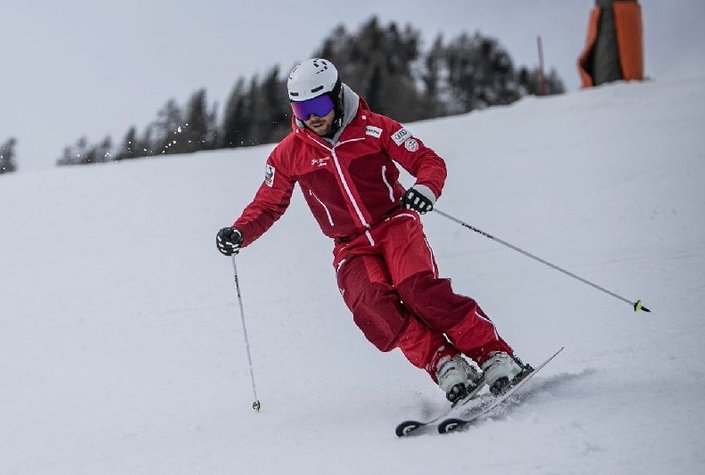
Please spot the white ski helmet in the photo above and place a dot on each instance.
(312, 78)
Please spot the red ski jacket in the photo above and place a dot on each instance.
(349, 186)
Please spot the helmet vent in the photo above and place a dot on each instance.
(316, 89)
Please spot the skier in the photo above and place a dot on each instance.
(340, 153)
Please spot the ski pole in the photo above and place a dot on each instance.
(256, 404)
(636, 305)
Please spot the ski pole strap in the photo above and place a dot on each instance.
(636, 305)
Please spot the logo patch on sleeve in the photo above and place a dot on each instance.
(269, 172)
(411, 145)
(401, 135)
(375, 132)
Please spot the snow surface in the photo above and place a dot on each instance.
(121, 347)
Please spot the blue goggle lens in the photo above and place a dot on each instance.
(319, 106)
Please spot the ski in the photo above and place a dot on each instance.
(412, 427)
(471, 407)
(451, 424)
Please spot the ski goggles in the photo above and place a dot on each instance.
(319, 106)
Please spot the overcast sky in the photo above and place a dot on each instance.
(93, 68)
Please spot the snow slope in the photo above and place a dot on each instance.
(121, 348)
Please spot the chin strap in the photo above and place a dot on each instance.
(338, 101)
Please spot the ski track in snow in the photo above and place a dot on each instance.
(122, 350)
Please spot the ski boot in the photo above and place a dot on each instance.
(456, 377)
(502, 371)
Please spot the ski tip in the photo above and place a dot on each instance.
(407, 427)
(450, 425)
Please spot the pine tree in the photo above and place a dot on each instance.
(236, 126)
(274, 120)
(255, 113)
(199, 130)
(165, 132)
(480, 73)
(66, 157)
(82, 153)
(431, 78)
(530, 82)
(85, 152)
(130, 146)
(104, 151)
(7, 156)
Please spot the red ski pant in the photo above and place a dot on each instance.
(389, 280)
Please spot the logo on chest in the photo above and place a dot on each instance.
(373, 131)
(320, 162)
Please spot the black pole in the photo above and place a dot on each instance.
(636, 305)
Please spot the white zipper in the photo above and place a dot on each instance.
(345, 182)
(339, 170)
(330, 218)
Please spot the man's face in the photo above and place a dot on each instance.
(320, 125)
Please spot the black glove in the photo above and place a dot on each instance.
(420, 198)
(228, 241)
